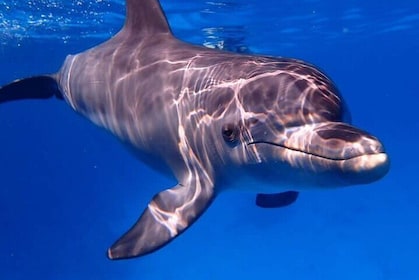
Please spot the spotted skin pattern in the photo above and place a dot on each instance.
(215, 120)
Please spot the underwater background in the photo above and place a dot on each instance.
(68, 189)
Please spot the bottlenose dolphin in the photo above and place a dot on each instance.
(215, 120)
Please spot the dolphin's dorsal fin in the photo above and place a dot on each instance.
(145, 16)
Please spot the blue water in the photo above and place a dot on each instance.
(68, 189)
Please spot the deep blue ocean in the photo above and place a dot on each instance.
(68, 189)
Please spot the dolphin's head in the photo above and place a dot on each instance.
(288, 127)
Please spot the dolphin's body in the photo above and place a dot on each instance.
(215, 120)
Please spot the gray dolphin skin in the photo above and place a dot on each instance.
(214, 120)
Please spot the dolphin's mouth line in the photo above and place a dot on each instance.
(302, 151)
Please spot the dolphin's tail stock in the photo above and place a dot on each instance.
(38, 87)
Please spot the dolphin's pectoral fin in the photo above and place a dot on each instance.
(39, 87)
(276, 200)
(168, 214)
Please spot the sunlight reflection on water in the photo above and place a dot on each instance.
(216, 24)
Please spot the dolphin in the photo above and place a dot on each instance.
(214, 120)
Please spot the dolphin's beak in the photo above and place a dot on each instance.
(349, 153)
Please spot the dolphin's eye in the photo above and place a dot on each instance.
(230, 134)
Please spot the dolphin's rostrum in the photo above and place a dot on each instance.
(213, 119)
